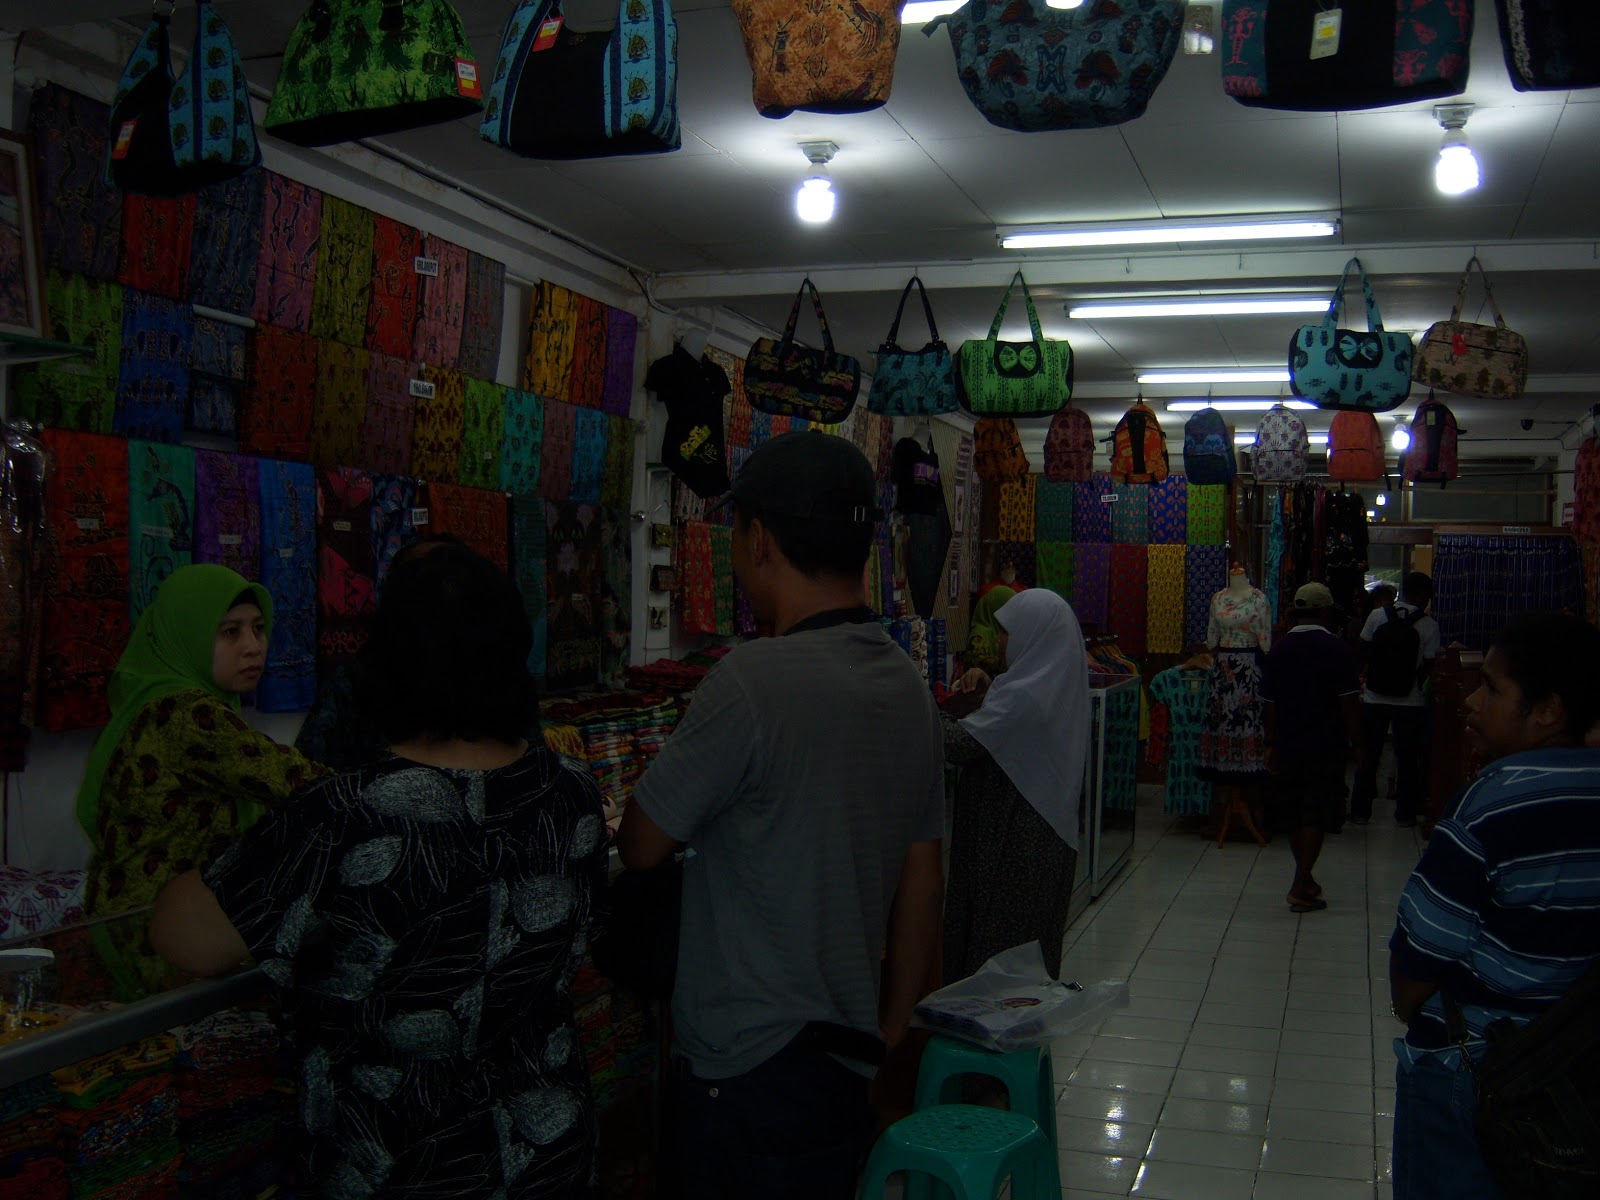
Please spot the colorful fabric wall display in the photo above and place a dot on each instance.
(399, 507)
(528, 538)
(77, 393)
(1205, 574)
(760, 428)
(1130, 515)
(485, 316)
(1091, 516)
(521, 444)
(622, 336)
(1130, 582)
(386, 429)
(574, 585)
(1169, 511)
(339, 405)
(696, 578)
(86, 613)
(441, 302)
(483, 429)
(436, 425)
(1207, 521)
(592, 428)
(557, 450)
(341, 294)
(153, 384)
(276, 414)
(1091, 582)
(291, 226)
(1017, 506)
(1053, 505)
(616, 483)
(289, 573)
(216, 376)
(80, 214)
(227, 243)
(722, 579)
(587, 380)
(161, 518)
(1056, 568)
(157, 238)
(616, 605)
(551, 331)
(392, 317)
(475, 515)
(1023, 556)
(346, 565)
(1164, 594)
(227, 501)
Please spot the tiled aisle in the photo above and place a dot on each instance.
(1254, 1059)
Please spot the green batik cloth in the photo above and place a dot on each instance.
(1053, 512)
(77, 393)
(339, 405)
(482, 432)
(342, 293)
(722, 578)
(160, 517)
(521, 442)
(1054, 568)
(616, 483)
(1208, 516)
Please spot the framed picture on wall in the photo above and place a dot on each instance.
(21, 273)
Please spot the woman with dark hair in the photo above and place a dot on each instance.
(425, 915)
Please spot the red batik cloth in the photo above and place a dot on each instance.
(157, 235)
(556, 455)
(441, 304)
(287, 269)
(587, 383)
(275, 415)
(386, 428)
(392, 318)
(1130, 576)
(346, 566)
(475, 515)
(697, 580)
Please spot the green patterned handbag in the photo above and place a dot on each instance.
(364, 68)
(1014, 379)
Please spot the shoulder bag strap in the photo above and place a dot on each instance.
(1331, 319)
(1488, 291)
(927, 310)
(1033, 316)
(822, 320)
(794, 315)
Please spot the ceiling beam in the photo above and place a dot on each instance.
(1114, 390)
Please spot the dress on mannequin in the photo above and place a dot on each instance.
(1233, 743)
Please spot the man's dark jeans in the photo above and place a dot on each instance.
(1410, 726)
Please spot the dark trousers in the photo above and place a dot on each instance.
(1409, 726)
(797, 1127)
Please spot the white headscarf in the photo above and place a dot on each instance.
(1035, 720)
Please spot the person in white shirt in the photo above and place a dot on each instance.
(1400, 642)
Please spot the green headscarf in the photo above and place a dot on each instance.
(171, 651)
(983, 640)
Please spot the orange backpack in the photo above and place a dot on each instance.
(1355, 448)
(1138, 447)
(997, 453)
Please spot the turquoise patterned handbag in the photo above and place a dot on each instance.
(1366, 370)
(913, 383)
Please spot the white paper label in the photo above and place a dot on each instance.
(1516, 529)
(286, 552)
(425, 266)
(1109, 498)
(87, 524)
(230, 539)
(1325, 33)
(419, 516)
(422, 389)
(342, 527)
(156, 531)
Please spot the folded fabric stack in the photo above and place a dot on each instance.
(617, 1045)
(925, 641)
(666, 676)
(120, 1114)
(565, 740)
(230, 1104)
(621, 732)
(33, 902)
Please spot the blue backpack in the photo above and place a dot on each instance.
(1207, 449)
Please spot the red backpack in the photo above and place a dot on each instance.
(1432, 457)
(1355, 448)
(1069, 447)
(1138, 447)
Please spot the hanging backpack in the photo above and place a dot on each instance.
(1432, 457)
(1586, 492)
(1138, 447)
(1069, 447)
(171, 136)
(1393, 666)
(1281, 447)
(1208, 449)
(1355, 448)
(997, 453)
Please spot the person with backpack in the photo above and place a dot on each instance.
(1401, 642)
(1499, 921)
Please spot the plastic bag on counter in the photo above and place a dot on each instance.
(1012, 1003)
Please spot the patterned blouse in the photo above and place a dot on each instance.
(1239, 622)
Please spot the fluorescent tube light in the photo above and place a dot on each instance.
(1238, 375)
(918, 11)
(1169, 231)
(1249, 439)
(1211, 306)
(1262, 405)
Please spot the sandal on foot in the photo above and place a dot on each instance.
(1313, 904)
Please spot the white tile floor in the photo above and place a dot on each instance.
(1254, 1058)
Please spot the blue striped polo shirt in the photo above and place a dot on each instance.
(1503, 911)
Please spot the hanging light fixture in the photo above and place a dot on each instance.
(813, 202)
(1400, 439)
(1457, 170)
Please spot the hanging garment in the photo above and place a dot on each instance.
(1130, 581)
(78, 393)
(1130, 515)
(227, 243)
(346, 567)
(616, 487)
(217, 355)
(616, 598)
(622, 335)
(1208, 516)
(1091, 516)
(692, 446)
(392, 315)
(86, 610)
(227, 501)
(557, 450)
(1185, 695)
(696, 581)
(1055, 568)
(80, 214)
(153, 384)
(521, 445)
(1091, 582)
(591, 428)
(1233, 743)
(276, 415)
(436, 425)
(528, 536)
(386, 428)
(1169, 511)
(342, 293)
(1205, 574)
(1017, 521)
(548, 367)
(1164, 596)
(483, 317)
(339, 405)
(291, 224)
(160, 518)
(1272, 575)
(587, 380)
(477, 516)
(722, 579)
(441, 303)
(575, 582)
(289, 573)
(482, 430)
(157, 237)
(399, 509)
(1053, 504)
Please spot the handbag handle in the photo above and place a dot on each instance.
(927, 310)
(1461, 293)
(794, 317)
(1033, 316)
(1374, 319)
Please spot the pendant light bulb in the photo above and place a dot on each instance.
(1457, 170)
(813, 203)
(1400, 439)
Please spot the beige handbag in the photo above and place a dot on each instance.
(826, 56)
(1470, 359)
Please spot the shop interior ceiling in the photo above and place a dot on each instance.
(924, 181)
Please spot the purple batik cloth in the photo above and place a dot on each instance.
(1091, 582)
(622, 335)
(227, 517)
(1091, 516)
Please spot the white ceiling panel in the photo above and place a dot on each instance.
(1030, 178)
(1278, 166)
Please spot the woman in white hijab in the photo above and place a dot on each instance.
(1014, 848)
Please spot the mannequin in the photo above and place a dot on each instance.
(1238, 581)
(694, 342)
(1233, 741)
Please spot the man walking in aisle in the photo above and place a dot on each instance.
(1313, 718)
(1401, 643)
(1502, 915)
(806, 782)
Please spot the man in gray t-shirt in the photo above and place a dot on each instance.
(806, 784)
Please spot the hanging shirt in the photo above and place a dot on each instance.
(1184, 694)
(917, 483)
(693, 447)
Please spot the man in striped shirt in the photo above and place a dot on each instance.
(1502, 915)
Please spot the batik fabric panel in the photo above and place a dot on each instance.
(342, 292)
(275, 417)
(1169, 511)
(1055, 568)
(399, 511)
(80, 213)
(592, 427)
(616, 485)
(286, 269)
(622, 336)
(217, 358)
(77, 393)
(528, 537)
(587, 380)
(441, 304)
(1207, 520)
(161, 517)
(1130, 579)
(616, 603)
(227, 502)
(289, 573)
(157, 237)
(1130, 515)
(153, 384)
(1164, 596)
(574, 588)
(482, 430)
(722, 579)
(547, 369)
(339, 406)
(1091, 582)
(346, 567)
(475, 515)
(227, 243)
(386, 428)
(436, 425)
(1091, 518)
(1205, 574)
(1017, 510)
(392, 316)
(557, 450)
(1053, 504)
(521, 444)
(697, 584)
(484, 316)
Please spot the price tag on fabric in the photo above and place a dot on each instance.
(230, 539)
(119, 150)
(156, 531)
(342, 526)
(422, 389)
(1325, 33)
(419, 516)
(467, 79)
(547, 33)
(87, 524)
(425, 266)
(1109, 498)
(286, 552)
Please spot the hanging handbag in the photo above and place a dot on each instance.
(585, 95)
(1471, 359)
(913, 383)
(1315, 56)
(786, 379)
(1366, 370)
(365, 68)
(171, 136)
(825, 58)
(1015, 379)
(1550, 45)
(1030, 67)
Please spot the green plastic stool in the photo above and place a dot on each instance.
(967, 1149)
(1027, 1075)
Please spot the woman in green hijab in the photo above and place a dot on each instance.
(983, 639)
(177, 772)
